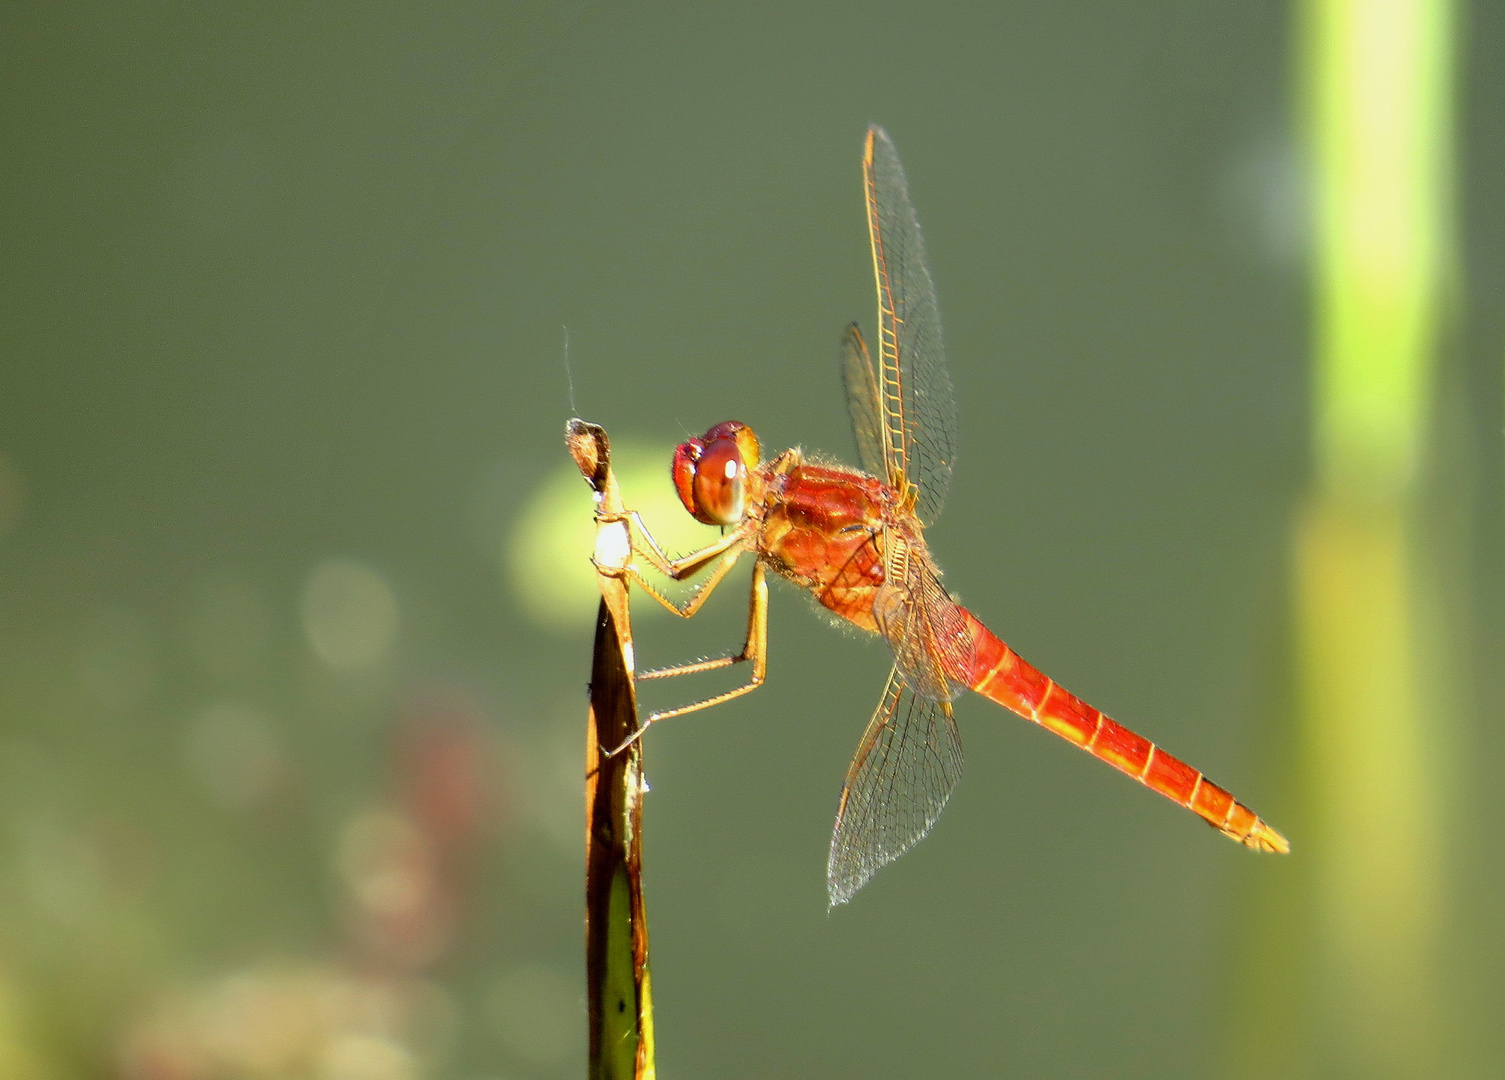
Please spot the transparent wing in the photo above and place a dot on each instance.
(905, 769)
(931, 638)
(861, 382)
(919, 410)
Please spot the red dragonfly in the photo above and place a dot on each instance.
(856, 540)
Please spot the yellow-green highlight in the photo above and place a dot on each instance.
(546, 558)
(1379, 79)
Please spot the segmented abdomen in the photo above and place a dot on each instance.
(999, 674)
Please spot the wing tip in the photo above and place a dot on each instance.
(841, 887)
(876, 133)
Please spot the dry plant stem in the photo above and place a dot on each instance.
(616, 930)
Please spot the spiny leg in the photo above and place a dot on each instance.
(757, 638)
(728, 549)
(754, 651)
(685, 565)
(699, 596)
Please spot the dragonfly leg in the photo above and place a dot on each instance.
(728, 549)
(699, 596)
(754, 651)
(685, 566)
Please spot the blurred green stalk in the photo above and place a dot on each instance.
(1373, 701)
(1363, 992)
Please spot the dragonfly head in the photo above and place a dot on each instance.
(711, 472)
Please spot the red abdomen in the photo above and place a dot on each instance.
(1001, 675)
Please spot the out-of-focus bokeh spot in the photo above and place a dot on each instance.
(407, 865)
(273, 1022)
(235, 754)
(546, 558)
(62, 870)
(537, 1013)
(367, 1057)
(349, 615)
(449, 772)
(12, 495)
(399, 906)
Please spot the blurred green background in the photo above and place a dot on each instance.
(294, 607)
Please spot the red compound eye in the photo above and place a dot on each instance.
(720, 483)
(686, 454)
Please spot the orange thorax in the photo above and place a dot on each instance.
(822, 528)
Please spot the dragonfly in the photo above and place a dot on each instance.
(855, 538)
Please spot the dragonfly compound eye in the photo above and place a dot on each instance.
(720, 483)
(686, 454)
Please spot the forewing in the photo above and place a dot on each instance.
(905, 769)
(861, 382)
(919, 409)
